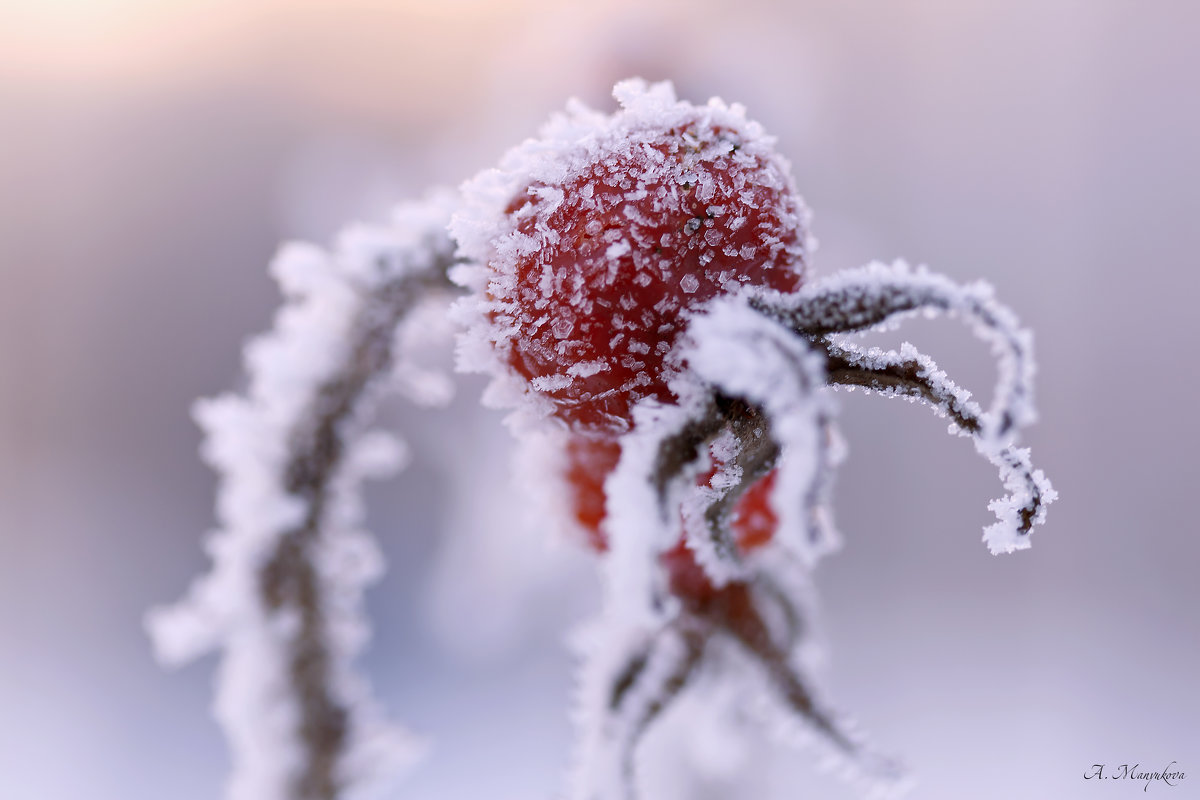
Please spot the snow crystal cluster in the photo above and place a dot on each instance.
(643, 644)
(291, 452)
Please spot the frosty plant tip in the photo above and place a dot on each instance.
(638, 286)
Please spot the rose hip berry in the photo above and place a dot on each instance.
(602, 235)
(591, 461)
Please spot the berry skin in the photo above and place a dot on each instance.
(591, 461)
(754, 522)
(605, 233)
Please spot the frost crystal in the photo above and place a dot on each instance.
(878, 295)
(283, 601)
(751, 388)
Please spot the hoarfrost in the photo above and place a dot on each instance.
(645, 647)
(283, 601)
(747, 374)
(877, 296)
(741, 353)
(688, 383)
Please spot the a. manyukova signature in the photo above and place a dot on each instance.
(1169, 775)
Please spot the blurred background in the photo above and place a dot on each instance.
(154, 154)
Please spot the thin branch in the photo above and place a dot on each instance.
(290, 580)
(893, 373)
(736, 612)
(283, 599)
(736, 350)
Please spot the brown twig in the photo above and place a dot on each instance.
(289, 581)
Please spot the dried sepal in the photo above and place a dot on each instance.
(879, 295)
(622, 697)
(738, 351)
(909, 373)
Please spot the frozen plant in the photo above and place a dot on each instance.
(283, 601)
(637, 286)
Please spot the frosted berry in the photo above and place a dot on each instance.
(591, 461)
(612, 228)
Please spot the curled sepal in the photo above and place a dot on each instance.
(912, 374)
(880, 294)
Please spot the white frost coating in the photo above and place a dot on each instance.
(719, 560)
(1028, 489)
(1005, 535)
(852, 299)
(949, 398)
(586, 369)
(248, 442)
(423, 333)
(603, 769)
(738, 350)
(879, 295)
(640, 525)
(873, 775)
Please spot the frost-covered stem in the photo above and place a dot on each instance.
(651, 679)
(756, 455)
(290, 580)
(901, 376)
(735, 611)
(283, 600)
(736, 349)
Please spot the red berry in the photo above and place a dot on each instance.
(616, 226)
(754, 522)
(686, 578)
(589, 463)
